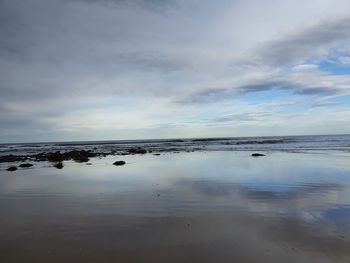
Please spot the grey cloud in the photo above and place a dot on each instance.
(16, 127)
(217, 94)
(296, 47)
(317, 91)
(214, 95)
(56, 50)
(210, 95)
(152, 5)
(242, 117)
(151, 61)
(264, 86)
(326, 104)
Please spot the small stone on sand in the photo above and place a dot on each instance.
(59, 165)
(119, 163)
(25, 165)
(257, 154)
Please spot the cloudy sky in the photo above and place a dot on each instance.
(130, 69)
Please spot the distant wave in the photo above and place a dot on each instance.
(263, 142)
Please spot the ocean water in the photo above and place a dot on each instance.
(276, 143)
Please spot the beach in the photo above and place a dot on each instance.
(180, 206)
(174, 131)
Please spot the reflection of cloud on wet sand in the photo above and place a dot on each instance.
(307, 202)
(300, 219)
(262, 192)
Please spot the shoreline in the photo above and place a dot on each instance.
(81, 152)
(57, 158)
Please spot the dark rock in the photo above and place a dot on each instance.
(119, 163)
(25, 165)
(11, 168)
(156, 154)
(12, 158)
(59, 165)
(137, 151)
(55, 157)
(40, 157)
(89, 164)
(78, 156)
(257, 154)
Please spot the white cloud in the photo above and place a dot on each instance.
(305, 67)
(344, 60)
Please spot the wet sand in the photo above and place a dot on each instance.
(186, 207)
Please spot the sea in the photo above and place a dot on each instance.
(271, 143)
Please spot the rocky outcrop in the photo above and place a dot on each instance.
(12, 158)
(138, 150)
(78, 156)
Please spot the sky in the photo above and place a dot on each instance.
(138, 69)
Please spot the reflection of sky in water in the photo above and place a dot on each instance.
(301, 197)
(278, 183)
